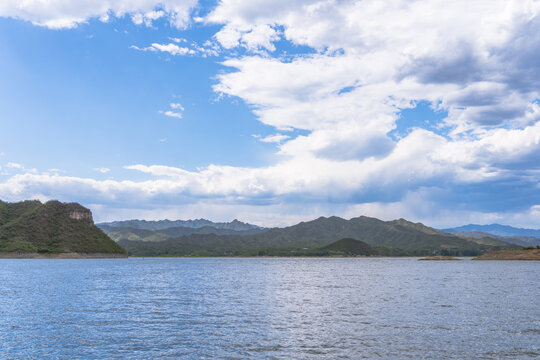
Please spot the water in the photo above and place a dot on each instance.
(269, 308)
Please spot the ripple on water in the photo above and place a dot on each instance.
(269, 308)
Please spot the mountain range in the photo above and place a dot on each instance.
(510, 234)
(58, 228)
(234, 225)
(397, 237)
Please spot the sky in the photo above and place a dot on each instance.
(274, 111)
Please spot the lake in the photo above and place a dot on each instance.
(282, 308)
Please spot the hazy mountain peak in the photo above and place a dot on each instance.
(496, 229)
(166, 224)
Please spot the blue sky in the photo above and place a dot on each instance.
(273, 111)
(92, 101)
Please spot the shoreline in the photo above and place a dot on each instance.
(511, 255)
(70, 255)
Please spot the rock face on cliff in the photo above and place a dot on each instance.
(52, 228)
(82, 215)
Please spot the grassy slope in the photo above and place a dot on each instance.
(36, 227)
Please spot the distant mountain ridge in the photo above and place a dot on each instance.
(524, 241)
(234, 225)
(513, 235)
(496, 229)
(118, 234)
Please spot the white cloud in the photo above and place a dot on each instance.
(276, 138)
(173, 114)
(175, 197)
(389, 58)
(102, 170)
(176, 111)
(396, 48)
(176, 106)
(207, 49)
(171, 48)
(20, 168)
(15, 166)
(57, 14)
(252, 38)
(105, 18)
(177, 40)
(228, 37)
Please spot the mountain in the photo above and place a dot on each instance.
(518, 236)
(166, 224)
(524, 241)
(51, 228)
(496, 229)
(407, 237)
(159, 225)
(401, 234)
(118, 234)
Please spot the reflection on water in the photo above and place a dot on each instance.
(269, 308)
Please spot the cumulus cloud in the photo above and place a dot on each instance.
(267, 195)
(395, 47)
(20, 168)
(261, 37)
(15, 166)
(388, 58)
(371, 62)
(170, 48)
(102, 170)
(178, 40)
(176, 111)
(173, 114)
(276, 138)
(176, 106)
(58, 14)
(207, 49)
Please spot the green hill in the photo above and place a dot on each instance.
(415, 238)
(53, 227)
(137, 234)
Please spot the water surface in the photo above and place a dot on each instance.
(302, 308)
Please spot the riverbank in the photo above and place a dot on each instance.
(70, 255)
(523, 254)
(438, 258)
